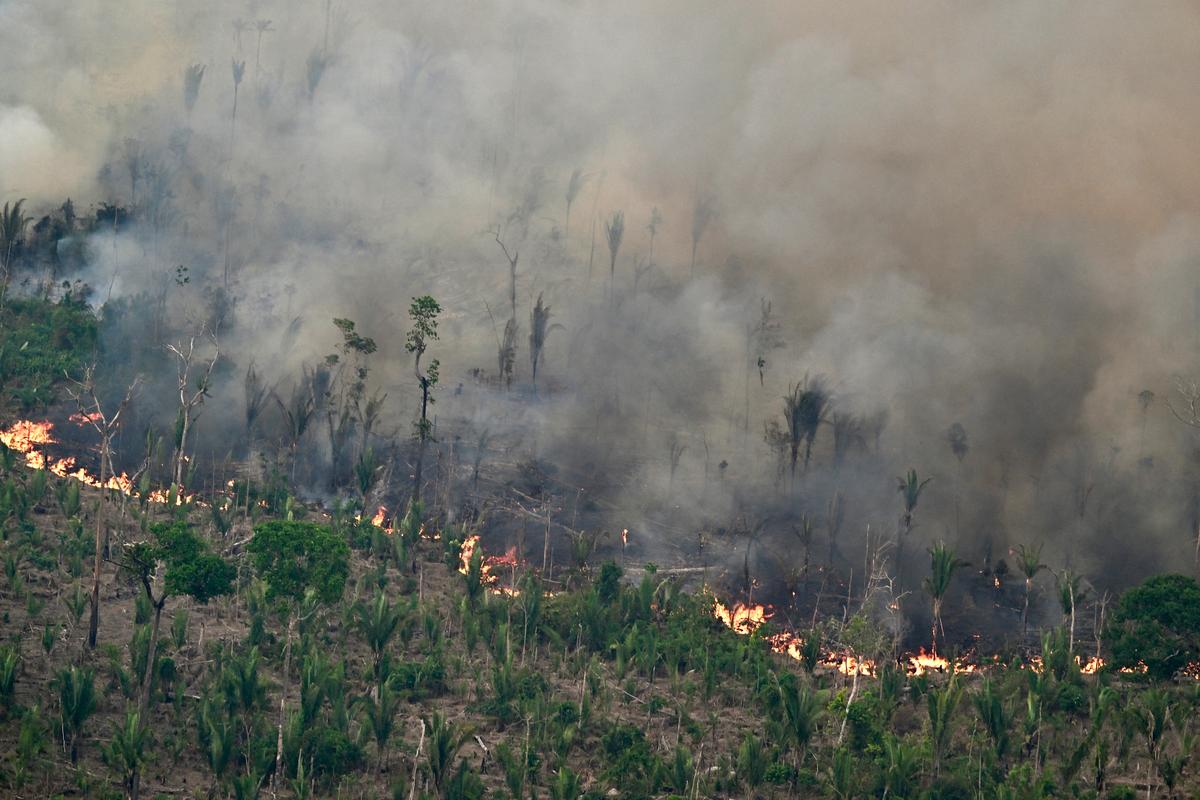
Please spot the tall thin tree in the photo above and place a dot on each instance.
(106, 424)
(424, 313)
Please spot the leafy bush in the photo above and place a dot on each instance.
(1157, 624)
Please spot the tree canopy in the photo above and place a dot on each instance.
(294, 557)
(191, 569)
(1157, 624)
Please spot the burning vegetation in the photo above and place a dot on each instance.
(868, 470)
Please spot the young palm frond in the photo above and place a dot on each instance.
(942, 566)
(910, 487)
(995, 715)
(126, 753)
(381, 715)
(446, 738)
(77, 701)
(378, 623)
(942, 703)
(803, 711)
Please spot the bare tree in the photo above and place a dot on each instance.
(106, 425)
(261, 26)
(194, 376)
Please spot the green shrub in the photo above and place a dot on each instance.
(1157, 624)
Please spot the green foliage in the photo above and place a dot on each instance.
(42, 342)
(377, 623)
(942, 704)
(445, 739)
(1157, 624)
(330, 753)
(127, 750)
(76, 703)
(296, 557)
(10, 666)
(995, 716)
(190, 568)
(802, 711)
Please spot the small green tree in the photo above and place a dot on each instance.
(424, 313)
(1157, 624)
(381, 717)
(942, 705)
(377, 623)
(126, 753)
(190, 569)
(446, 738)
(995, 715)
(76, 702)
(942, 566)
(802, 713)
(304, 565)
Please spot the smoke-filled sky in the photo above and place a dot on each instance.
(981, 213)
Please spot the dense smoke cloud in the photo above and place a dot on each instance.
(970, 213)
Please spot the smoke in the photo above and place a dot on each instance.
(960, 213)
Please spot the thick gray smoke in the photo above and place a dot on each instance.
(966, 213)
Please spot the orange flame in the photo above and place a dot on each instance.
(487, 577)
(744, 620)
(26, 437)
